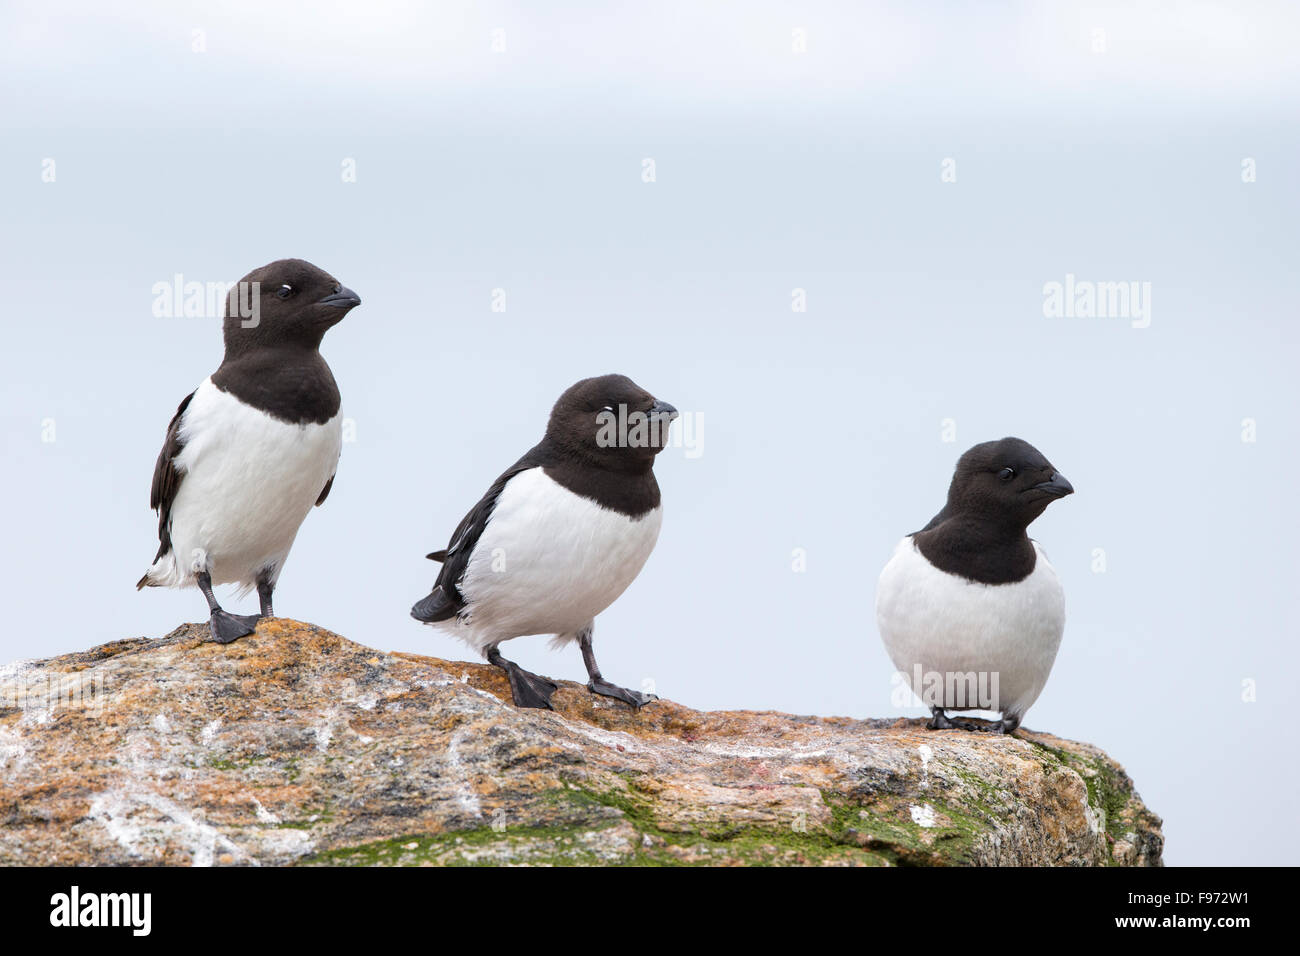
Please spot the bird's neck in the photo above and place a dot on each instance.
(292, 383)
(629, 488)
(978, 548)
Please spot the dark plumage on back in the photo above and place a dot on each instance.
(445, 600)
(166, 481)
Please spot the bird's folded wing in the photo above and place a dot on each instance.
(166, 479)
(325, 492)
(456, 557)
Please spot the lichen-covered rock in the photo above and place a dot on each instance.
(297, 746)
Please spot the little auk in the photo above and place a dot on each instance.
(559, 535)
(253, 448)
(969, 609)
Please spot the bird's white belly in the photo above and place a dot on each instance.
(952, 627)
(548, 562)
(248, 482)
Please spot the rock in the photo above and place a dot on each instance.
(296, 746)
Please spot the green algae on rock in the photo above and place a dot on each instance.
(296, 746)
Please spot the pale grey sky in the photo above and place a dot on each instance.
(1111, 156)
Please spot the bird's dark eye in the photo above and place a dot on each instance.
(1006, 474)
(284, 291)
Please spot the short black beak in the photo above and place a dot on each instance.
(663, 410)
(1057, 486)
(342, 298)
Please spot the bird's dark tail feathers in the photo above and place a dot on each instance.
(436, 607)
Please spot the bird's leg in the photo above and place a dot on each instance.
(1007, 725)
(223, 626)
(941, 721)
(264, 589)
(528, 689)
(598, 684)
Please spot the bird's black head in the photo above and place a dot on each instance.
(1008, 481)
(288, 303)
(611, 421)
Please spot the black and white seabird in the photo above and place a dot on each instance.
(971, 594)
(559, 536)
(253, 448)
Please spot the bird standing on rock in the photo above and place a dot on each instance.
(969, 609)
(559, 536)
(253, 448)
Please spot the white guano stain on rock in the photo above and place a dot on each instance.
(209, 732)
(264, 815)
(12, 752)
(324, 729)
(465, 794)
(124, 815)
(927, 754)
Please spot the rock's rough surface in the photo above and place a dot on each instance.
(297, 746)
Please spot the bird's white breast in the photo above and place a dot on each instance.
(549, 561)
(950, 625)
(248, 482)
